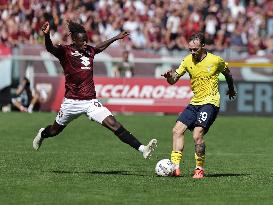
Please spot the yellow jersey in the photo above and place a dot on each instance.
(204, 78)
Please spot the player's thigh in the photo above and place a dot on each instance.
(70, 110)
(206, 116)
(188, 116)
(97, 112)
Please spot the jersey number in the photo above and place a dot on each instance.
(203, 117)
(97, 104)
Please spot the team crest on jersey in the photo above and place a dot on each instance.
(209, 68)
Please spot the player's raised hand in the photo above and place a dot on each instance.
(123, 34)
(231, 94)
(167, 74)
(46, 27)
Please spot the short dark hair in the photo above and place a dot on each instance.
(75, 28)
(198, 36)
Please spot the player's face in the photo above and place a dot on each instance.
(196, 49)
(80, 40)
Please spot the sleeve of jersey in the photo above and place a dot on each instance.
(56, 51)
(182, 68)
(222, 65)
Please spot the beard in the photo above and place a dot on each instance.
(195, 57)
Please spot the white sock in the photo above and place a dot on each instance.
(30, 108)
(141, 148)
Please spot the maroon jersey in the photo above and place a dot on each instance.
(78, 69)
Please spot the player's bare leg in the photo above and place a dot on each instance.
(178, 146)
(200, 150)
(125, 136)
(43, 133)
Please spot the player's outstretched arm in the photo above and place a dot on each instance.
(231, 91)
(171, 76)
(48, 43)
(103, 45)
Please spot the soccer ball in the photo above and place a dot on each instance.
(164, 168)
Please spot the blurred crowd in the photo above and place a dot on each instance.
(244, 25)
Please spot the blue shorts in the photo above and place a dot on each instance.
(199, 116)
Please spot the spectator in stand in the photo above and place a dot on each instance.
(255, 45)
(25, 7)
(131, 23)
(230, 25)
(125, 68)
(138, 39)
(236, 7)
(269, 16)
(173, 24)
(211, 25)
(236, 41)
(181, 41)
(161, 22)
(214, 7)
(251, 8)
(210, 44)
(4, 36)
(269, 44)
(153, 35)
(221, 41)
(4, 4)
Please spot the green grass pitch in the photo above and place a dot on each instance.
(87, 164)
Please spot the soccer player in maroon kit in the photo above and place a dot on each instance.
(80, 95)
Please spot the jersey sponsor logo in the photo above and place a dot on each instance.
(76, 53)
(85, 61)
(85, 68)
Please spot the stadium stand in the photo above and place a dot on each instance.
(246, 26)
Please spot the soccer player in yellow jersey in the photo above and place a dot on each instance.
(203, 68)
